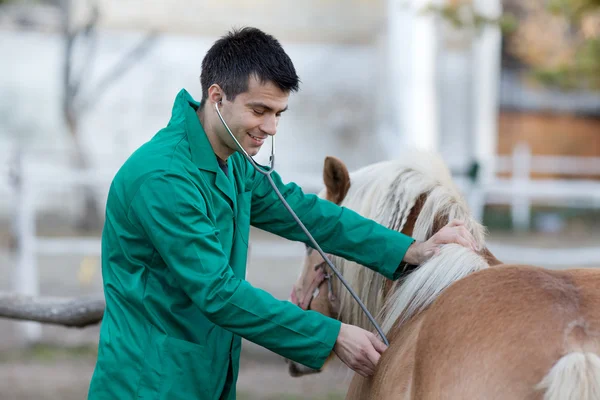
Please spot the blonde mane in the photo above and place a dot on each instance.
(386, 192)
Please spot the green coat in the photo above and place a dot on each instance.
(174, 250)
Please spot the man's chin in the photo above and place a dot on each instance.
(252, 151)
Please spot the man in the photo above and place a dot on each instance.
(175, 243)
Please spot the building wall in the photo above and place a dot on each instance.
(331, 115)
(549, 134)
(339, 21)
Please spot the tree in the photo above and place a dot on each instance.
(76, 103)
(79, 97)
(67, 312)
(559, 41)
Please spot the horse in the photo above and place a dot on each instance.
(462, 325)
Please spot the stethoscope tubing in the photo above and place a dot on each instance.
(315, 245)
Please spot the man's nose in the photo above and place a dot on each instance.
(270, 126)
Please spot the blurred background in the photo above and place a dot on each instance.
(507, 91)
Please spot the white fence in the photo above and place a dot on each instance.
(35, 180)
(518, 191)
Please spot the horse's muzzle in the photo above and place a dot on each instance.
(296, 370)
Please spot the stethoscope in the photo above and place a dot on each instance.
(267, 172)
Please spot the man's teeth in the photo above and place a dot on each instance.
(254, 137)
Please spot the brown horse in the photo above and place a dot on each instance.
(462, 325)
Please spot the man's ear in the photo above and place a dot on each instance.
(215, 94)
(336, 179)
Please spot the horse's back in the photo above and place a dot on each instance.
(499, 331)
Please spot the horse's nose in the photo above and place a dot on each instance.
(296, 370)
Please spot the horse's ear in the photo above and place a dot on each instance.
(336, 178)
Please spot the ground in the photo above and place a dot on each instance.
(52, 373)
(61, 366)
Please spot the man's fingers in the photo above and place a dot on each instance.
(358, 349)
(468, 236)
(373, 353)
(455, 222)
(361, 373)
(458, 234)
(378, 344)
(361, 367)
(367, 368)
(372, 357)
(463, 242)
(466, 233)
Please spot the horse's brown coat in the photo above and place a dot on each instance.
(492, 335)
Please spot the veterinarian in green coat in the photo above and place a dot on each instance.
(175, 243)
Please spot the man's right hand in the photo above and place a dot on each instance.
(358, 349)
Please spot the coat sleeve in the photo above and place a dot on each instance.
(172, 213)
(337, 230)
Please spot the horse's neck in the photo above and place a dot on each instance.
(418, 202)
(414, 294)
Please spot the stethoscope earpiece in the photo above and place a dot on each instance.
(250, 159)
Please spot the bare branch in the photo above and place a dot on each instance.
(70, 312)
(69, 93)
(119, 69)
(87, 33)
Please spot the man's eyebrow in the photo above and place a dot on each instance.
(263, 105)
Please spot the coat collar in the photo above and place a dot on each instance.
(202, 152)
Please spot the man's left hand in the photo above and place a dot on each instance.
(453, 232)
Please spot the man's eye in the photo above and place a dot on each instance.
(258, 112)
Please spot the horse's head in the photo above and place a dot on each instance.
(313, 290)
(415, 196)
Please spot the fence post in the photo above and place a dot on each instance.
(521, 175)
(26, 276)
(476, 198)
(486, 78)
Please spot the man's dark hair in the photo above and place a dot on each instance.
(242, 53)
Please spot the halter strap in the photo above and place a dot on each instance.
(312, 290)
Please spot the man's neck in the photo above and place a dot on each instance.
(221, 150)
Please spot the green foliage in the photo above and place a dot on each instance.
(464, 16)
(584, 70)
(572, 9)
(582, 73)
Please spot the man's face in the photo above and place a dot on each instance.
(253, 115)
